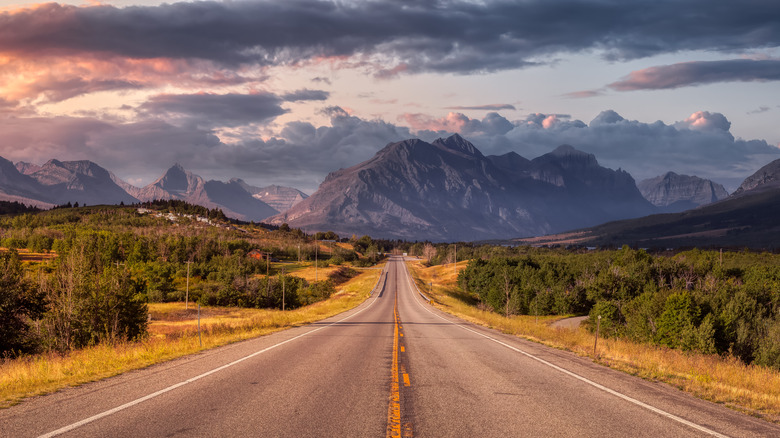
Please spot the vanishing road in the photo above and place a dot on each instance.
(394, 366)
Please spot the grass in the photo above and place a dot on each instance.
(751, 389)
(172, 334)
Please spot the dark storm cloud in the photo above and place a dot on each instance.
(698, 73)
(410, 36)
(214, 110)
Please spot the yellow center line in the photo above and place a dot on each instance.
(394, 407)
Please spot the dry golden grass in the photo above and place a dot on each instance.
(173, 333)
(310, 274)
(26, 255)
(751, 389)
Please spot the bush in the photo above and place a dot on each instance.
(21, 302)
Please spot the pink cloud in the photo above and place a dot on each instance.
(54, 79)
(698, 73)
(452, 122)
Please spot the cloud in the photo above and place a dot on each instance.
(300, 154)
(700, 144)
(54, 79)
(214, 110)
(427, 126)
(305, 94)
(584, 94)
(706, 121)
(699, 73)
(759, 110)
(390, 37)
(489, 107)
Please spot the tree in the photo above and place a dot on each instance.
(21, 303)
(677, 324)
(429, 251)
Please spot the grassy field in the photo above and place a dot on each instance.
(172, 333)
(751, 389)
(306, 270)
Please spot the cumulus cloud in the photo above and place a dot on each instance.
(427, 126)
(700, 144)
(397, 37)
(699, 73)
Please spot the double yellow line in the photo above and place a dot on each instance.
(394, 407)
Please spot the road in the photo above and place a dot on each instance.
(394, 366)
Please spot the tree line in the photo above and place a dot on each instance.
(705, 301)
(112, 261)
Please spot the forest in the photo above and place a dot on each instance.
(98, 266)
(706, 301)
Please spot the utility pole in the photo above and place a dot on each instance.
(315, 259)
(282, 288)
(267, 274)
(187, 294)
(455, 262)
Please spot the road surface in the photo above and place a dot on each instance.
(394, 366)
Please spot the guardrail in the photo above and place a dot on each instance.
(382, 276)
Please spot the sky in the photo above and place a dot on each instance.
(283, 92)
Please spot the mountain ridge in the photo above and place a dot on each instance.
(448, 190)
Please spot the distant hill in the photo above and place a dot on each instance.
(747, 218)
(448, 190)
(674, 193)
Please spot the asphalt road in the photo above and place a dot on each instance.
(394, 366)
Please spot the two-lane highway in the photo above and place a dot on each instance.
(394, 366)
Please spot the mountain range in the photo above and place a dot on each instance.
(59, 182)
(445, 190)
(448, 190)
(746, 218)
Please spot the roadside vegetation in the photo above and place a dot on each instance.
(91, 301)
(723, 378)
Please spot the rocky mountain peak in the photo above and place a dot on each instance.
(448, 190)
(767, 177)
(675, 193)
(458, 144)
(175, 179)
(27, 168)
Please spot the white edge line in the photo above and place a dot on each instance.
(109, 412)
(569, 373)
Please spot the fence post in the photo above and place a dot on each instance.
(200, 341)
(596, 342)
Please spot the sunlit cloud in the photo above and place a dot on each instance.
(699, 73)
